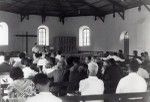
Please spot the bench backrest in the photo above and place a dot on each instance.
(126, 97)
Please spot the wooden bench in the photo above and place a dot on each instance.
(126, 97)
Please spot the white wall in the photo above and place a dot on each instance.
(105, 36)
(30, 26)
(12, 21)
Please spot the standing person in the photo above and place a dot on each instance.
(132, 82)
(35, 48)
(42, 84)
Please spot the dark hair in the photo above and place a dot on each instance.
(84, 65)
(22, 55)
(89, 57)
(16, 73)
(76, 60)
(41, 79)
(112, 61)
(135, 52)
(134, 65)
(6, 57)
(35, 43)
(120, 51)
(59, 52)
(37, 55)
(27, 62)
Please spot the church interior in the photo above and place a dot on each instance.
(74, 50)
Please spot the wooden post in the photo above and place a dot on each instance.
(126, 45)
(26, 42)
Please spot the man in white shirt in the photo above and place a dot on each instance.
(91, 64)
(42, 84)
(92, 85)
(133, 82)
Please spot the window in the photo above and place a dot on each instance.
(43, 35)
(84, 36)
(3, 33)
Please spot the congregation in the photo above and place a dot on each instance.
(47, 76)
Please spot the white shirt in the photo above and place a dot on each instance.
(91, 86)
(143, 73)
(49, 70)
(58, 57)
(35, 49)
(18, 63)
(44, 97)
(132, 83)
(28, 72)
(42, 62)
(116, 58)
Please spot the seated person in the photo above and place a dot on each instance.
(112, 75)
(133, 82)
(57, 76)
(74, 76)
(28, 72)
(58, 55)
(18, 62)
(91, 85)
(89, 61)
(50, 66)
(20, 87)
(5, 66)
(42, 84)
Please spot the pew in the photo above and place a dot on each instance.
(125, 97)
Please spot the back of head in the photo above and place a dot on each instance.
(112, 61)
(120, 51)
(38, 55)
(6, 57)
(93, 69)
(27, 62)
(134, 65)
(16, 73)
(135, 52)
(59, 52)
(41, 79)
(22, 55)
(76, 60)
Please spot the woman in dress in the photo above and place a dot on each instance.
(20, 87)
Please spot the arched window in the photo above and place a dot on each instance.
(3, 33)
(43, 35)
(84, 36)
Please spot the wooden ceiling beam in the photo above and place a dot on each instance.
(93, 7)
(117, 4)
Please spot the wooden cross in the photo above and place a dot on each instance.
(26, 36)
